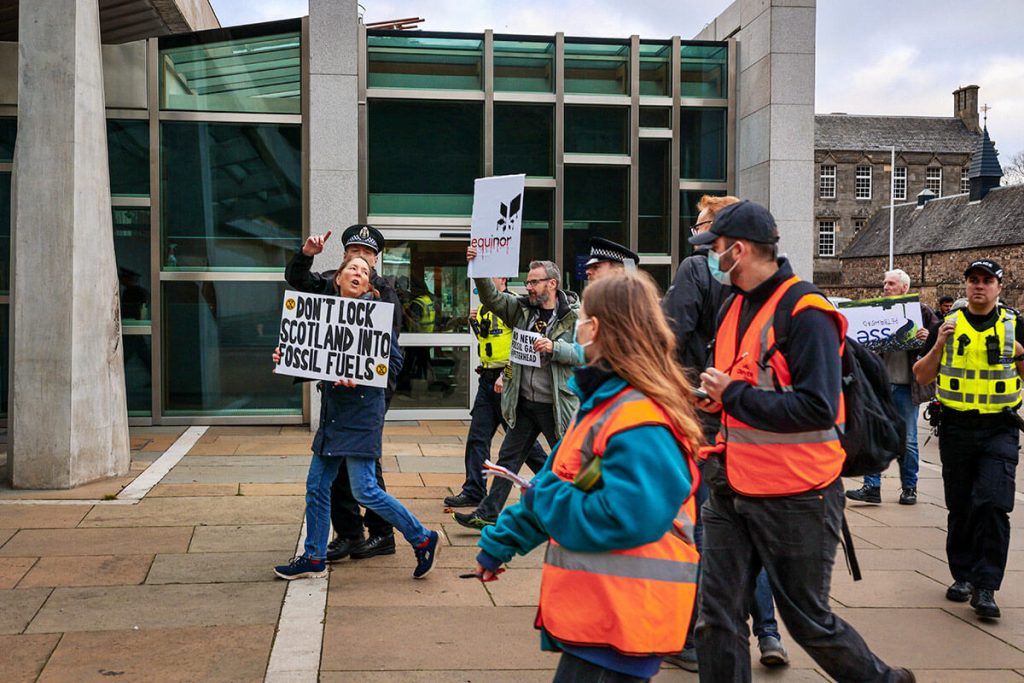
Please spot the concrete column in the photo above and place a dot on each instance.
(68, 419)
(333, 132)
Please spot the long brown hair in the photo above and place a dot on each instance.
(638, 345)
(349, 259)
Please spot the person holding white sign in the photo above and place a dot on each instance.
(350, 435)
(535, 399)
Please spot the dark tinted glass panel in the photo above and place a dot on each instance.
(128, 154)
(599, 69)
(654, 69)
(536, 239)
(252, 74)
(597, 130)
(5, 339)
(523, 66)
(431, 281)
(8, 131)
(596, 205)
(5, 232)
(703, 70)
(131, 248)
(662, 274)
(523, 139)
(217, 339)
(434, 377)
(138, 374)
(688, 216)
(654, 196)
(655, 117)
(424, 62)
(232, 195)
(702, 144)
(424, 157)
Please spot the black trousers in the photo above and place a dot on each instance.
(532, 420)
(979, 463)
(346, 517)
(794, 538)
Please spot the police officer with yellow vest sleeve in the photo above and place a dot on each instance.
(494, 342)
(976, 361)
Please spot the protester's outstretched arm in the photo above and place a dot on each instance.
(299, 276)
(502, 304)
(517, 532)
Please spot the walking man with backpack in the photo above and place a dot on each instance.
(776, 498)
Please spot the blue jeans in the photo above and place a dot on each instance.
(322, 471)
(910, 462)
(362, 472)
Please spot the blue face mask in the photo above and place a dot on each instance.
(714, 259)
(580, 348)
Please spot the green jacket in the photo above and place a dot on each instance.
(515, 311)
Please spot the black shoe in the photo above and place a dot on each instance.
(472, 520)
(339, 548)
(908, 497)
(959, 591)
(462, 500)
(983, 600)
(373, 546)
(866, 494)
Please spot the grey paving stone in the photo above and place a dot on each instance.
(222, 567)
(242, 538)
(162, 512)
(441, 463)
(69, 542)
(18, 607)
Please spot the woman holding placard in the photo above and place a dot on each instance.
(614, 501)
(351, 425)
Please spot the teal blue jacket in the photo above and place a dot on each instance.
(644, 481)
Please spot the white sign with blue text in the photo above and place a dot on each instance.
(887, 323)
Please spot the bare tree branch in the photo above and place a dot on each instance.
(1013, 170)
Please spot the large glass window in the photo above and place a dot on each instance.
(596, 205)
(5, 340)
(8, 131)
(702, 144)
(131, 249)
(232, 195)
(597, 130)
(411, 61)
(655, 117)
(653, 196)
(138, 374)
(424, 157)
(523, 139)
(5, 233)
(655, 73)
(521, 66)
(536, 238)
(596, 68)
(688, 213)
(233, 70)
(128, 155)
(661, 273)
(434, 377)
(431, 281)
(703, 70)
(217, 337)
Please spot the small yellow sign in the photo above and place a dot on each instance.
(290, 304)
(382, 369)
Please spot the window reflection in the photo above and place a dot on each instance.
(138, 374)
(5, 232)
(128, 156)
(433, 377)
(702, 144)
(431, 281)
(131, 249)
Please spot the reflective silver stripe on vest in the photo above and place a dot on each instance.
(954, 395)
(683, 528)
(760, 437)
(1006, 373)
(1008, 336)
(962, 373)
(1000, 399)
(625, 566)
(587, 447)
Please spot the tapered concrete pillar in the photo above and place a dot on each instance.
(68, 417)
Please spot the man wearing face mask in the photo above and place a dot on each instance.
(534, 400)
(776, 497)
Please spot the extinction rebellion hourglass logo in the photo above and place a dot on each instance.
(507, 225)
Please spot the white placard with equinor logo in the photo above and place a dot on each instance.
(496, 225)
(522, 352)
(333, 338)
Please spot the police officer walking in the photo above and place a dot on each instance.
(976, 360)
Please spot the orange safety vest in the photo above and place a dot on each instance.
(761, 462)
(640, 600)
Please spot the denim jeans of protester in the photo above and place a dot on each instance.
(322, 471)
(910, 462)
(363, 475)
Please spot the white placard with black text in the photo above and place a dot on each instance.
(522, 352)
(497, 225)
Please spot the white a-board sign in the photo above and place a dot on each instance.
(333, 338)
(885, 323)
(522, 352)
(497, 225)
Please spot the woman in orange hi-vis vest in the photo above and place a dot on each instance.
(614, 501)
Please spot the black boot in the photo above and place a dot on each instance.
(866, 494)
(373, 546)
(339, 548)
(983, 600)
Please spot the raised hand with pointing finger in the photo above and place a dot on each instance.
(315, 244)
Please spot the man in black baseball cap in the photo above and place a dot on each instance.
(986, 266)
(607, 257)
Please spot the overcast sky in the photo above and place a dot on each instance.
(873, 56)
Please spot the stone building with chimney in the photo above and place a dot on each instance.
(852, 155)
(935, 238)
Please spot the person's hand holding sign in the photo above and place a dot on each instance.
(470, 253)
(315, 244)
(543, 345)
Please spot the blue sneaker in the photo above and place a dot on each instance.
(425, 555)
(302, 568)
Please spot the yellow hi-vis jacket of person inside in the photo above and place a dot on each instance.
(494, 339)
(968, 379)
(638, 600)
(760, 462)
(422, 314)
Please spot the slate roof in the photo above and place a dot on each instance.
(945, 224)
(907, 133)
(985, 161)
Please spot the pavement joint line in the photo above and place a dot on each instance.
(65, 501)
(299, 640)
(152, 475)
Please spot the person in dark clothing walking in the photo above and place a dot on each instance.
(367, 242)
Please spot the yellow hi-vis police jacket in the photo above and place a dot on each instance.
(976, 371)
